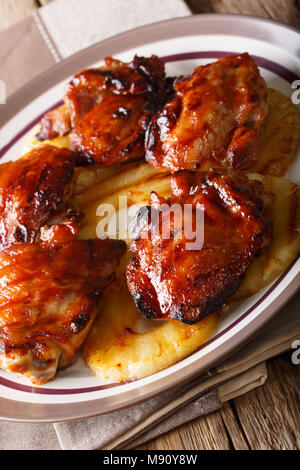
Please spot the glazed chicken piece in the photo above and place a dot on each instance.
(173, 273)
(214, 119)
(31, 190)
(108, 109)
(113, 131)
(50, 291)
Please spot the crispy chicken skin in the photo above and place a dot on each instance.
(108, 109)
(113, 131)
(50, 290)
(168, 278)
(31, 190)
(214, 119)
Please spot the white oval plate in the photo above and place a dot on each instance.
(183, 43)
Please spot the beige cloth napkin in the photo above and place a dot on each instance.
(64, 27)
(73, 27)
(54, 32)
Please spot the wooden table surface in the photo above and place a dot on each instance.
(268, 417)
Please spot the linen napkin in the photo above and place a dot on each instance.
(54, 32)
(64, 27)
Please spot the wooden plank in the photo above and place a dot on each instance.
(12, 11)
(218, 431)
(206, 432)
(270, 415)
(234, 430)
(286, 11)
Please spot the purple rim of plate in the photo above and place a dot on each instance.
(274, 67)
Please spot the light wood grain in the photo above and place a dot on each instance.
(267, 418)
(207, 432)
(195, 436)
(286, 11)
(234, 430)
(12, 11)
(270, 416)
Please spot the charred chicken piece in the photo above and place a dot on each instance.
(50, 291)
(31, 189)
(214, 119)
(108, 109)
(186, 274)
(113, 131)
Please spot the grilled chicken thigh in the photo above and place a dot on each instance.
(108, 109)
(31, 190)
(51, 283)
(171, 274)
(214, 119)
(50, 290)
(113, 131)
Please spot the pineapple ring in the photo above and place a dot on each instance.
(280, 139)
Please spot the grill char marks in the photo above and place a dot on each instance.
(214, 119)
(31, 190)
(49, 297)
(169, 280)
(109, 110)
(51, 282)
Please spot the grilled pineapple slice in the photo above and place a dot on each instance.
(285, 247)
(122, 345)
(280, 140)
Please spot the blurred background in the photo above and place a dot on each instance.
(288, 11)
